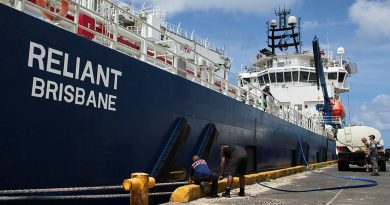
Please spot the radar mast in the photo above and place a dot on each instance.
(284, 33)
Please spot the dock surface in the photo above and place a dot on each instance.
(256, 194)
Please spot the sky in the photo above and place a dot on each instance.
(360, 26)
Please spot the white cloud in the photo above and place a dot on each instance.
(372, 17)
(249, 6)
(375, 113)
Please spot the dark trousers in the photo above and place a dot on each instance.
(213, 179)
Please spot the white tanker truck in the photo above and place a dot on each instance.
(350, 148)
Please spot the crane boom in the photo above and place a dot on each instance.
(320, 76)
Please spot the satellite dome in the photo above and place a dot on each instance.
(273, 23)
(340, 51)
(292, 20)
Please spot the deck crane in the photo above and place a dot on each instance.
(327, 107)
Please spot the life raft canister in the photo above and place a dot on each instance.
(62, 12)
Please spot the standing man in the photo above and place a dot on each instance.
(200, 174)
(237, 166)
(373, 155)
(366, 152)
(266, 93)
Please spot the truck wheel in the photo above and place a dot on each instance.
(346, 166)
(382, 166)
(342, 166)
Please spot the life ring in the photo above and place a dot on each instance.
(62, 12)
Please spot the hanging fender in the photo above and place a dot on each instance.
(62, 12)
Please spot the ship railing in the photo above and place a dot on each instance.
(180, 31)
(342, 85)
(335, 120)
(192, 37)
(204, 73)
(276, 108)
(109, 37)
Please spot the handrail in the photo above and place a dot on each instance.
(190, 36)
(250, 94)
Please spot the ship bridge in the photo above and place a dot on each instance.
(281, 71)
(291, 73)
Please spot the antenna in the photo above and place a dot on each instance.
(242, 58)
(281, 30)
(328, 49)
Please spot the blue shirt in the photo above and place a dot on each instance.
(200, 168)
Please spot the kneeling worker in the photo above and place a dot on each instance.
(201, 173)
(237, 166)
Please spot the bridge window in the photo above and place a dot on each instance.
(304, 76)
(270, 63)
(332, 76)
(298, 107)
(312, 77)
(261, 80)
(272, 77)
(266, 79)
(279, 77)
(295, 76)
(247, 80)
(287, 76)
(341, 77)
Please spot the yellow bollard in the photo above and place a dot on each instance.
(138, 186)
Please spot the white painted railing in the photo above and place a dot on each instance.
(192, 37)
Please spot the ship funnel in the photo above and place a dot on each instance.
(273, 23)
(292, 20)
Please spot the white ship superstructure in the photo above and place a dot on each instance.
(292, 76)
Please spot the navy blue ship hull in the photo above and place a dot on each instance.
(47, 142)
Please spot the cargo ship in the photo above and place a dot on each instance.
(94, 90)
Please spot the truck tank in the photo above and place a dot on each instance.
(350, 148)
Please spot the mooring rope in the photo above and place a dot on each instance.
(170, 184)
(5, 194)
(70, 197)
(51, 190)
